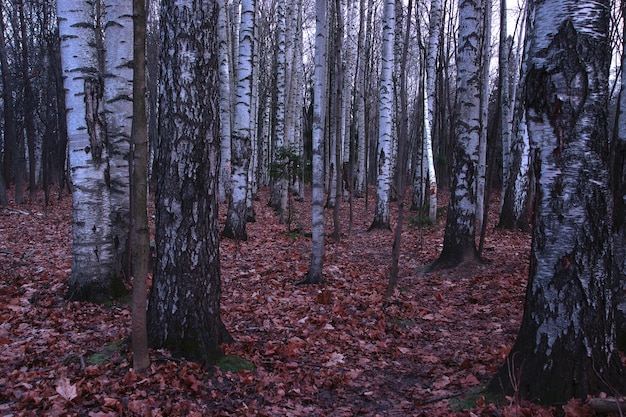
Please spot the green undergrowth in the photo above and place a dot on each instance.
(471, 398)
(233, 363)
(104, 355)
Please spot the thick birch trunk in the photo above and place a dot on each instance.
(93, 274)
(566, 344)
(184, 307)
(459, 240)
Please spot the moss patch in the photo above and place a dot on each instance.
(105, 354)
(233, 363)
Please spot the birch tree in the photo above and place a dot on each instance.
(93, 261)
(314, 275)
(386, 104)
(184, 307)
(359, 186)
(619, 193)
(434, 29)
(279, 183)
(225, 183)
(459, 240)
(566, 343)
(118, 107)
(517, 191)
(235, 227)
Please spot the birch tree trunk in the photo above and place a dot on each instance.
(434, 29)
(226, 176)
(517, 192)
(619, 201)
(386, 100)
(566, 344)
(485, 50)
(235, 227)
(359, 186)
(93, 274)
(459, 240)
(184, 307)
(118, 106)
(279, 184)
(29, 105)
(314, 275)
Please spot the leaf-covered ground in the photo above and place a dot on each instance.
(338, 349)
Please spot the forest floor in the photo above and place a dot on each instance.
(337, 349)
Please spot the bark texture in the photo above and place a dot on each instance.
(385, 130)
(317, 206)
(566, 343)
(235, 227)
(184, 307)
(459, 240)
(93, 262)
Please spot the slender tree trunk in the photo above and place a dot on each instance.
(235, 227)
(429, 118)
(566, 344)
(403, 132)
(485, 50)
(226, 175)
(386, 103)
(314, 275)
(10, 131)
(29, 106)
(141, 232)
(184, 307)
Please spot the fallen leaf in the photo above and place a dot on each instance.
(65, 389)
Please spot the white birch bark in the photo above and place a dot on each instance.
(459, 240)
(434, 29)
(118, 105)
(279, 185)
(314, 274)
(359, 187)
(566, 344)
(93, 252)
(241, 136)
(225, 183)
(385, 131)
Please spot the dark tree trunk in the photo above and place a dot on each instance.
(10, 130)
(566, 344)
(184, 307)
(29, 107)
(140, 231)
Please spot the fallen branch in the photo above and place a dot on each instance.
(608, 405)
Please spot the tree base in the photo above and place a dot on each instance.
(455, 257)
(233, 234)
(311, 279)
(379, 225)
